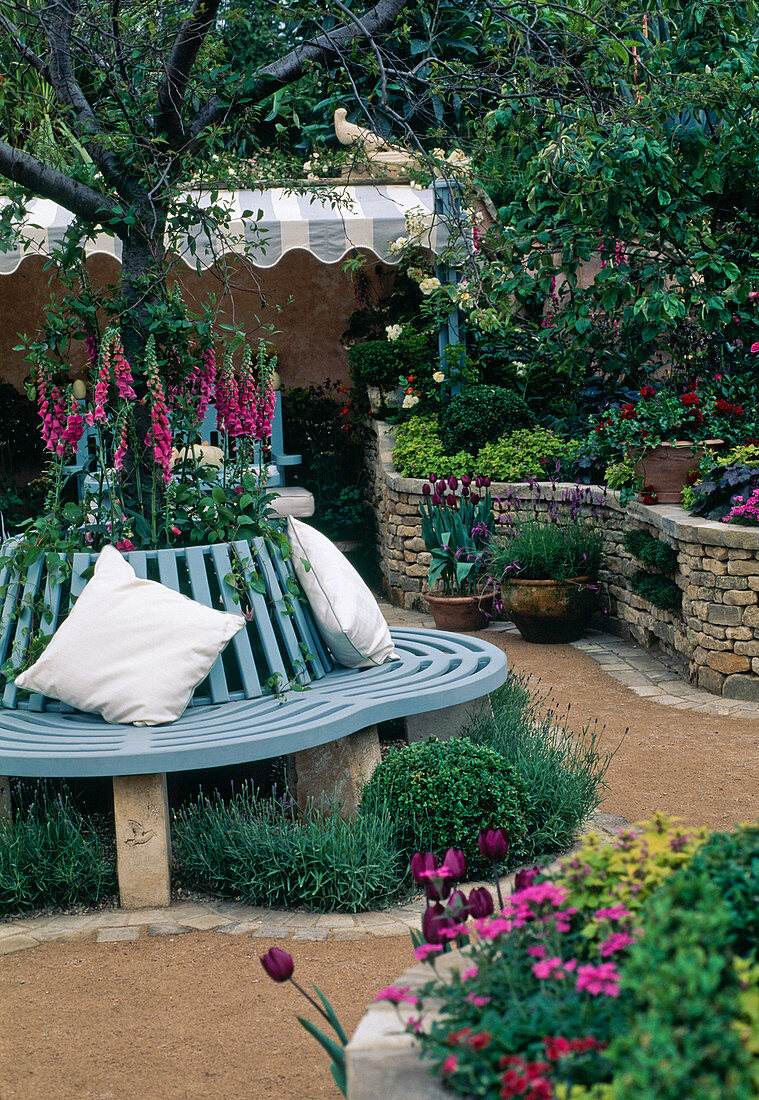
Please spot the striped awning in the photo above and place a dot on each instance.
(265, 224)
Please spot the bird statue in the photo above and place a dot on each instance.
(349, 134)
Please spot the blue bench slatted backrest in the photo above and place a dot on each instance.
(280, 643)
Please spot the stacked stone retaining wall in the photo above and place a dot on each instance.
(715, 636)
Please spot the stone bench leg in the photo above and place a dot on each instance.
(337, 771)
(143, 841)
(448, 722)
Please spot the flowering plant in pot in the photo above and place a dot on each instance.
(548, 566)
(457, 524)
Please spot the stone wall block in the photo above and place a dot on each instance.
(738, 568)
(740, 599)
(728, 663)
(749, 649)
(742, 687)
(710, 680)
(751, 617)
(724, 616)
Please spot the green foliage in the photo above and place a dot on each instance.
(563, 772)
(650, 550)
(441, 793)
(525, 453)
(731, 862)
(536, 549)
(418, 451)
(480, 415)
(660, 591)
(50, 855)
(631, 868)
(680, 1039)
(263, 853)
(375, 363)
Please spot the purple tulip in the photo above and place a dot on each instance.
(450, 500)
(421, 862)
(480, 902)
(526, 877)
(475, 498)
(426, 490)
(432, 479)
(455, 861)
(278, 964)
(466, 479)
(464, 491)
(437, 499)
(453, 482)
(493, 844)
(478, 483)
(486, 482)
(434, 920)
(458, 906)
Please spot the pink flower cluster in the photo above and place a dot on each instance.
(744, 511)
(244, 408)
(112, 365)
(159, 435)
(60, 430)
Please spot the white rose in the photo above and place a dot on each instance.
(438, 376)
(394, 332)
(410, 400)
(398, 244)
(430, 285)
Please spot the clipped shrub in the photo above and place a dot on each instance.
(681, 1039)
(441, 793)
(50, 856)
(651, 551)
(731, 861)
(419, 452)
(480, 415)
(260, 852)
(525, 453)
(563, 773)
(375, 363)
(660, 591)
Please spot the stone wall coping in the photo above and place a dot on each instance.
(671, 520)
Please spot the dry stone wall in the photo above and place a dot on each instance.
(715, 637)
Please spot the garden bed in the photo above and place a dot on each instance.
(715, 630)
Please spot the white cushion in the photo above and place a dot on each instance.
(131, 650)
(346, 612)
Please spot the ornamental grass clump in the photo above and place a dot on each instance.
(264, 853)
(50, 855)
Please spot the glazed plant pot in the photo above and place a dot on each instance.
(461, 614)
(549, 612)
(664, 469)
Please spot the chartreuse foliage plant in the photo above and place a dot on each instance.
(441, 793)
(418, 451)
(50, 856)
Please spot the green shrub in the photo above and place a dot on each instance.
(680, 1040)
(50, 856)
(660, 591)
(441, 793)
(258, 851)
(563, 773)
(480, 415)
(419, 452)
(731, 861)
(546, 551)
(375, 363)
(526, 453)
(651, 551)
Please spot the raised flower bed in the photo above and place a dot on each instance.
(715, 634)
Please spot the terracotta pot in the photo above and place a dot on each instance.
(549, 612)
(460, 613)
(665, 468)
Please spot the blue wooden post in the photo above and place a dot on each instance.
(451, 331)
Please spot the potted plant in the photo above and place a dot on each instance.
(376, 367)
(662, 435)
(548, 574)
(457, 525)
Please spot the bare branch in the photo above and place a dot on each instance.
(22, 49)
(285, 70)
(88, 204)
(184, 52)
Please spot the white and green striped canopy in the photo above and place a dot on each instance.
(265, 224)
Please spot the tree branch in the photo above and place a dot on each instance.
(22, 49)
(289, 68)
(184, 52)
(49, 183)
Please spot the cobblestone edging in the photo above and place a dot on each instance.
(715, 636)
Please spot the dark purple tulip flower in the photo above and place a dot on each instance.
(455, 861)
(453, 482)
(432, 479)
(466, 479)
(278, 964)
(475, 498)
(450, 500)
(422, 861)
(426, 490)
(526, 877)
(458, 905)
(493, 844)
(480, 902)
(434, 920)
(437, 499)
(486, 482)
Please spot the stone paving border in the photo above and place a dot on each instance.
(229, 918)
(651, 675)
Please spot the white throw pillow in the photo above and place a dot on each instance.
(131, 650)
(346, 612)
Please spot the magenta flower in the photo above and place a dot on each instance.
(455, 860)
(278, 964)
(397, 995)
(617, 941)
(493, 844)
(421, 862)
(599, 979)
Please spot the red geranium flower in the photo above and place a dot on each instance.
(689, 400)
(647, 391)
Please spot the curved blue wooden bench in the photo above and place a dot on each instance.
(322, 714)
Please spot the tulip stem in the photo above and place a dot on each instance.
(497, 882)
(309, 998)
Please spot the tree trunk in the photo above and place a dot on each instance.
(143, 280)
